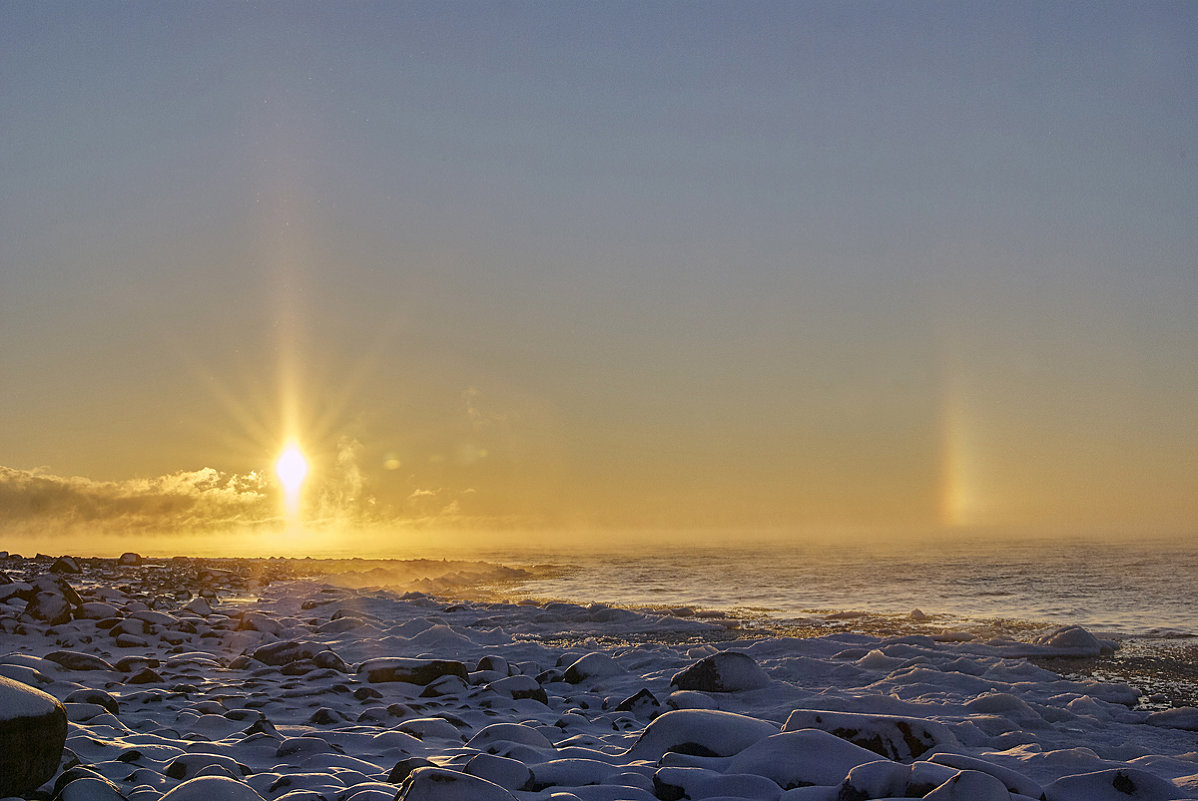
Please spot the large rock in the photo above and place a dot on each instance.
(1113, 784)
(65, 564)
(77, 660)
(725, 672)
(33, 731)
(700, 732)
(129, 558)
(49, 607)
(1074, 641)
(410, 670)
(592, 666)
(441, 784)
(892, 736)
(286, 652)
(212, 788)
(801, 758)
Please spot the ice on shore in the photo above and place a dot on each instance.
(309, 692)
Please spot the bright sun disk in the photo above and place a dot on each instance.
(291, 469)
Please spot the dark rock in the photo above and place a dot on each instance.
(410, 670)
(91, 788)
(367, 693)
(281, 653)
(129, 664)
(896, 737)
(297, 668)
(71, 774)
(89, 696)
(49, 608)
(262, 726)
(492, 662)
(65, 564)
(145, 676)
(187, 766)
(642, 702)
(405, 766)
(446, 685)
(129, 559)
(727, 671)
(433, 782)
(326, 716)
(592, 666)
(328, 659)
(33, 731)
(77, 660)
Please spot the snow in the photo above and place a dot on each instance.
(20, 700)
(360, 694)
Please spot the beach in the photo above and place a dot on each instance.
(259, 679)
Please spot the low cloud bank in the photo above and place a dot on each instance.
(33, 501)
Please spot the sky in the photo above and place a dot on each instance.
(595, 268)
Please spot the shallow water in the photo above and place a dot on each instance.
(1146, 587)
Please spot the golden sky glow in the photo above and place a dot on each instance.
(536, 268)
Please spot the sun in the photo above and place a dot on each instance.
(291, 468)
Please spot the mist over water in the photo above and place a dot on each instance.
(1132, 587)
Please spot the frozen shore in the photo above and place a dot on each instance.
(205, 680)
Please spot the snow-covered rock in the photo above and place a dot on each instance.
(33, 730)
(703, 732)
(892, 736)
(440, 784)
(725, 672)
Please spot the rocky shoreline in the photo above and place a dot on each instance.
(208, 679)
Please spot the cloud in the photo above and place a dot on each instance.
(199, 500)
(36, 503)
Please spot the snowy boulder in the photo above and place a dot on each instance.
(189, 766)
(33, 731)
(701, 732)
(510, 774)
(678, 783)
(592, 666)
(487, 737)
(90, 696)
(441, 784)
(892, 736)
(410, 670)
(725, 672)
(690, 699)
(970, 785)
(878, 779)
(97, 610)
(254, 621)
(519, 687)
(1182, 717)
(198, 606)
(801, 758)
(77, 660)
(1115, 784)
(49, 607)
(65, 564)
(90, 788)
(1073, 641)
(57, 585)
(642, 703)
(285, 652)
(1014, 781)
(212, 788)
(404, 767)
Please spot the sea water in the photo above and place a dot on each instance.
(1135, 587)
